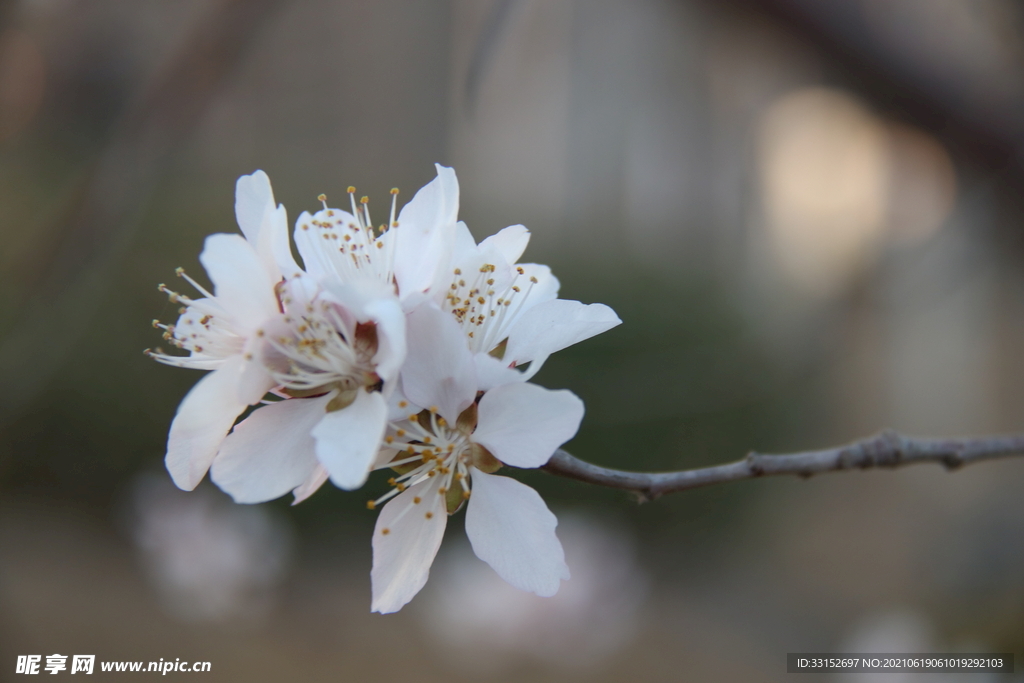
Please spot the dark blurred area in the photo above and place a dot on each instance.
(808, 215)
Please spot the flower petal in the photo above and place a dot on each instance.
(253, 194)
(439, 369)
(510, 242)
(242, 285)
(311, 485)
(271, 452)
(554, 325)
(264, 223)
(347, 440)
(402, 556)
(491, 372)
(511, 529)
(391, 343)
(426, 233)
(203, 420)
(523, 424)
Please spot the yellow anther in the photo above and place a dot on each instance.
(429, 515)
(417, 500)
(533, 279)
(321, 197)
(426, 439)
(364, 200)
(394, 190)
(400, 432)
(442, 490)
(351, 189)
(179, 271)
(432, 409)
(385, 531)
(392, 481)
(389, 439)
(402, 404)
(370, 505)
(156, 323)
(520, 270)
(401, 487)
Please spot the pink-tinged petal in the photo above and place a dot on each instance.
(523, 424)
(253, 195)
(439, 369)
(554, 325)
(273, 246)
(405, 542)
(242, 285)
(391, 342)
(511, 529)
(510, 242)
(347, 440)
(271, 452)
(203, 420)
(254, 380)
(491, 372)
(426, 233)
(311, 485)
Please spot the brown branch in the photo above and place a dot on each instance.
(887, 449)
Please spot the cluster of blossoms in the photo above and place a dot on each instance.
(400, 347)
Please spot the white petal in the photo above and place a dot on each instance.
(273, 246)
(511, 529)
(523, 424)
(464, 244)
(510, 242)
(391, 343)
(242, 285)
(402, 557)
(347, 440)
(439, 369)
(426, 233)
(253, 195)
(554, 325)
(311, 485)
(254, 379)
(271, 452)
(491, 372)
(203, 420)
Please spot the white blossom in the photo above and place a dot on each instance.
(446, 449)
(219, 329)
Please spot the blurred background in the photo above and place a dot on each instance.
(809, 217)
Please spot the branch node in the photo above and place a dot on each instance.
(754, 464)
(953, 461)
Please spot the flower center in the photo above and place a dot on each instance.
(486, 304)
(319, 351)
(203, 329)
(425, 447)
(350, 245)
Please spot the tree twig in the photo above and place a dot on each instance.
(887, 449)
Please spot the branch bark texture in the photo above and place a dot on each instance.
(885, 450)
